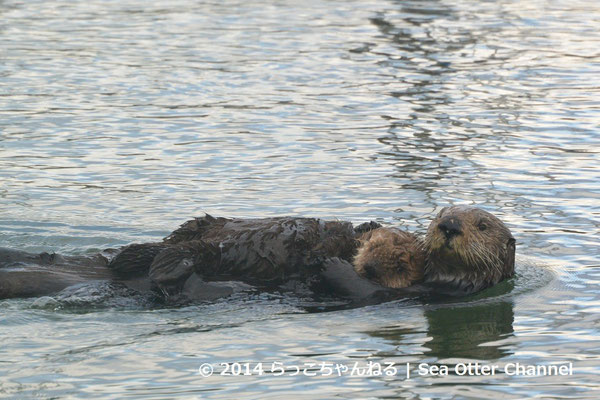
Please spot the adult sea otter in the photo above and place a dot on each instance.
(464, 250)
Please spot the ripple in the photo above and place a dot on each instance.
(121, 120)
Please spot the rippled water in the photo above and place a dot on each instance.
(121, 119)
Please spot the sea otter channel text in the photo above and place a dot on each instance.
(371, 368)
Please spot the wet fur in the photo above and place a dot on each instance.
(480, 256)
(272, 252)
(263, 252)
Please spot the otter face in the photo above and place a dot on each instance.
(469, 247)
(390, 257)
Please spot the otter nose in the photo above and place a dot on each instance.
(450, 227)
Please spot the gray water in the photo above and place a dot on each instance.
(120, 120)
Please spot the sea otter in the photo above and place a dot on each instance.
(468, 249)
(465, 248)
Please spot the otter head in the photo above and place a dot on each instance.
(390, 257)
(468, 248)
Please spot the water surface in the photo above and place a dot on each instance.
(119, 120)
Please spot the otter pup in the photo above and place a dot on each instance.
(390, 257)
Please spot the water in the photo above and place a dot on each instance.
(119, 120)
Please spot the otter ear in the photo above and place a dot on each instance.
(441, 212)
(509, 260)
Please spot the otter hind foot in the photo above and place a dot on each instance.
(172, 267)
(135, 260)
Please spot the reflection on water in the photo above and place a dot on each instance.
(466, 331)
(120, 120)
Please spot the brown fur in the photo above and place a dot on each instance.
(390, 257)
(479, 252)
(465, 248)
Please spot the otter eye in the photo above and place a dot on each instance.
(370, 271)
(482, 226)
